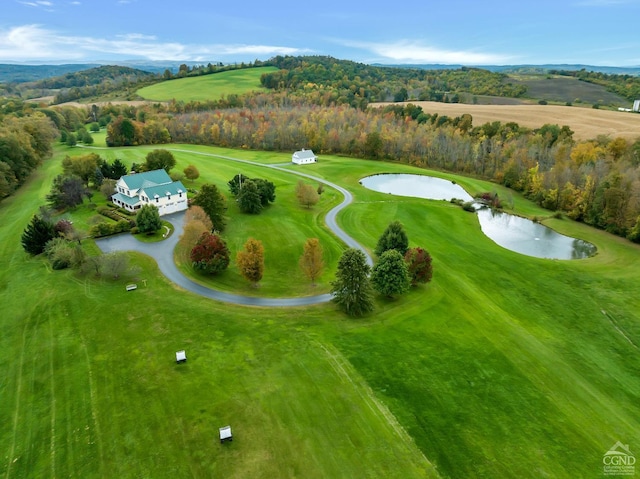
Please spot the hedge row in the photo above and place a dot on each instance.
(107, 229)
(114, 215)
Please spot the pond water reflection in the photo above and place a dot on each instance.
(511, 232)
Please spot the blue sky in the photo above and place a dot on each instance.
(469, 32)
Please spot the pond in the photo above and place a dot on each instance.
(511, 232)
(417, 186)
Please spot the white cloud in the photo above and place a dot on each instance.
(37, 3)
(36, 43)
(406, 51)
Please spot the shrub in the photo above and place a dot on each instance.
(468, 206)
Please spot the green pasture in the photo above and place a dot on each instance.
(207, 87)
(502, 366)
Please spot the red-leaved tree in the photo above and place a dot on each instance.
(419, 265)
(210, 254)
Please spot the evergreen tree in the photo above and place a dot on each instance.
(266, 190)
(37, 234)
(390, 276)
(249, 198)
(394, 237)
(352, 288)
(213, 204)
(236, 183)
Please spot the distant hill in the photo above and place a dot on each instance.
(540, 69)
(92, 76)
(27, 73)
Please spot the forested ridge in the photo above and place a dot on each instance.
(361, 83)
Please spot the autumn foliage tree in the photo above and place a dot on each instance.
(307, 194)
(210, 254)
(191, 173)
(418, 265)
(250, 261)
(196, 213)
(311, 262)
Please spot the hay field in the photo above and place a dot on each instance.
(587, 123)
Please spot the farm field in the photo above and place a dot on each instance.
(567, 89)
(208, 87)
(587, 123)
(503, 366)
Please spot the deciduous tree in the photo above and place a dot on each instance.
(307, 195)
(148, 219)
(351, 289)
(390, 276)
(250, 260)
(196, 213)
(418, 265)
(159, 159)
(210, 254)
(67, 192)
(311, 262)
(191, 173)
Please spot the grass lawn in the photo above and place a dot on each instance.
(502, 366)
(208, 87)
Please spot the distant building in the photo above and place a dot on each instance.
(150, 188)
(636, 106)
(303, 157)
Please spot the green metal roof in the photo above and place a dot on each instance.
(126, 199)
(146, 179)
(162, 190)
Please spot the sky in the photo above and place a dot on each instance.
(467, 32)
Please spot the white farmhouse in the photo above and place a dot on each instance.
(304, 157)
(150, 188)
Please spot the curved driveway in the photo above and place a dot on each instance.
(162, 252)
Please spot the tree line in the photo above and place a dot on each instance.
(25, 141)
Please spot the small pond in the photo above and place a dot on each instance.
(511, 232)
(418, 186)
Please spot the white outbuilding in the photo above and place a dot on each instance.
(225, 434)
(304, 157)
(181, 356)
(636, 106)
